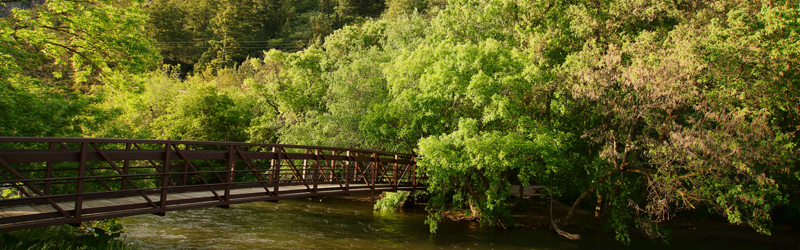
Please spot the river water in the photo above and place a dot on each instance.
(334, 223)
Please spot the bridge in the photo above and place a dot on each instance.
(53, 181)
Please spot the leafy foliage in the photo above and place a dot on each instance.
(651, 111)
(56, 51)
(212, 34)
(92, 235)
(648, 107)
(161, 106)
(77, 41)
(392, 201)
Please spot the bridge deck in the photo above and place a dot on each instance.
(186, 200)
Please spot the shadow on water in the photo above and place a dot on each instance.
(345, 224)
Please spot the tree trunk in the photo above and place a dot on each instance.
(610, 199)
(599, 204)
(584, 196)
(553, 223)
(578, 203)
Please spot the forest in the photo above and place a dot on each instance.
(640, 110)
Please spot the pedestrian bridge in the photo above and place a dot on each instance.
(52, 181)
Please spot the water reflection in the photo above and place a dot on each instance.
(344, 224)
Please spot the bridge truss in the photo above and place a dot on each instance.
(52, 181)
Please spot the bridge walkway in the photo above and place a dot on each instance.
(190, 199)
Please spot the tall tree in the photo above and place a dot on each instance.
(59, 49)
(647, 107)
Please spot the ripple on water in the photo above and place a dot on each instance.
(344, 224)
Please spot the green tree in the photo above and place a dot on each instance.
(288, 88)
(162, 106)
(396, 8)
(647, 107)
(56, 51)
(220, 33)
(680, 115)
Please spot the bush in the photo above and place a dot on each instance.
(103, 234)
(392, 201)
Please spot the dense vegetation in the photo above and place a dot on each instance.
(646, 108)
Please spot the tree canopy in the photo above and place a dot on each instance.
(649, 108)
(54, 52)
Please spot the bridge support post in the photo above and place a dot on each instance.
(81, 174)
(125, 166)
(49, 172)
(229, 175)
(305, 168)
(394, 173)
(414, 173)
(164, 180)
(276, 168)
(355, 169)
(316, 170)
(185, 167)
(375, 162)
(347, 172)
(332, 167)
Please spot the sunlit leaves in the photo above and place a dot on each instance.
(653, 107)
(90, 39)
(56, 51)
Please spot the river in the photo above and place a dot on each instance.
(335, 223)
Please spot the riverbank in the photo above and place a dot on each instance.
(533, 212)
(536, 216)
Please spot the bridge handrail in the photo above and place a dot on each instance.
(212, 143)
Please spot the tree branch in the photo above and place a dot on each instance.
(585, 195)
(91, 62)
